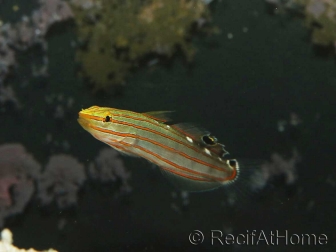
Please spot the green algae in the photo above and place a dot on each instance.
(116, 34)
(320, 17)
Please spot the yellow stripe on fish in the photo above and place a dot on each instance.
(189, 156)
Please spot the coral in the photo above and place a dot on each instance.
(323, 13)
(18, 170)
(7, 95)
(116, 34)
(320, 17)
(61, 181)
(276, 167)
(6, 244)
(30, 31)
(109, 167)
(50, 12)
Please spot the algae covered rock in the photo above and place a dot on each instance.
(116, 34)
(319, 16)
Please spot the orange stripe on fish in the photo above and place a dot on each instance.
(176, 165)
(158, 144)
(189, 156)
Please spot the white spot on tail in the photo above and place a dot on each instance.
(189, 139)
(207, 151)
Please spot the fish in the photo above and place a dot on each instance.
(187, 155)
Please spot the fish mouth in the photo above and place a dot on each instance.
(83, 122)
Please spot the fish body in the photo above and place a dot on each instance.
(189, 156)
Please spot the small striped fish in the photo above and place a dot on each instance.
(189, 156)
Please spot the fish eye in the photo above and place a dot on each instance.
(107, 119)
(232, 162)
(209, 140)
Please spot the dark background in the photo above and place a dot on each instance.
(237, 88)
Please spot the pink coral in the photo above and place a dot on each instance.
(30, 31)
(109, 167)
(5, 184)
(18, 170)
(61, 180)
(50, 12)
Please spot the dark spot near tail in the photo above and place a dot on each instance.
(233, 163)
(209, 140)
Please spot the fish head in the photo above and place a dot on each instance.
(98, 121)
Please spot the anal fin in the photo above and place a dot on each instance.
(191, 184)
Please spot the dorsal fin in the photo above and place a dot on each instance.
(161, 116)
(201, 137)
(218, 149)
(190, 130)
